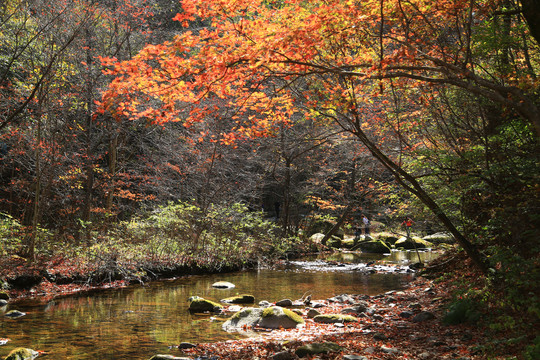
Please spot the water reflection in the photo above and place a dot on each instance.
(140, 321)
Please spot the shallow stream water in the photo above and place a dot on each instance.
(140, 321)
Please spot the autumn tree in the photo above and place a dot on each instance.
(341, 58)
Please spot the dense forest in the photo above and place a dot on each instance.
(147, 135)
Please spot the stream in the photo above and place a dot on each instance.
(140, 321)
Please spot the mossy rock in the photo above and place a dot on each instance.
(244, 318)
(374, 246)
(334, 242)
(239, 299)
(4, 295)
(276, 317)
(334, 318)
(22, 354)
(387, 237)
(348, 243)
(440, 238)
(316, 238)
(411, 243)
(318, 348)
(199, 305)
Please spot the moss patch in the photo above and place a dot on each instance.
(276, 311)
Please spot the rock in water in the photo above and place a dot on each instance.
(22, 354)
(223, 285)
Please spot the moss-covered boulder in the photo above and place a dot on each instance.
(440, 238)
(22, 354)
(349, 243)
(245, 318)
(200, 305)
(374, 246)
(276, 317)
(411, 243)
(387, 237)
(323, 226)
(334, 318)
(239, 299)
(317, 348)
(334, 242)
(316, 238)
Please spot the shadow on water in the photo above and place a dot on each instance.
(140, 321)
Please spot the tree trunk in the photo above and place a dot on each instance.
(408, 182)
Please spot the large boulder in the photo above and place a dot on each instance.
(22, 354)
(411, 243)
(273, 317)
(316, 238)
(387, 237)
(245, 318)
(374, 246)
(276, 317)
(440, 238)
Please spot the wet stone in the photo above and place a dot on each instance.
(283, 355)
(354, 357)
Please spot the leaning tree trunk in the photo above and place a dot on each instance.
(408, 182)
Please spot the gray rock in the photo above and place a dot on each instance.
(389, 350)
(186, 345)
(312, 313)
(344, 299)
(276, 317)
(354, 357)
(378, 317)
(423, 316)
(284, 303)
(380, 336)
(283, 355)
(440, 238)
(406, 314)
(3, 302)
(264, 304)
(248, 317)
